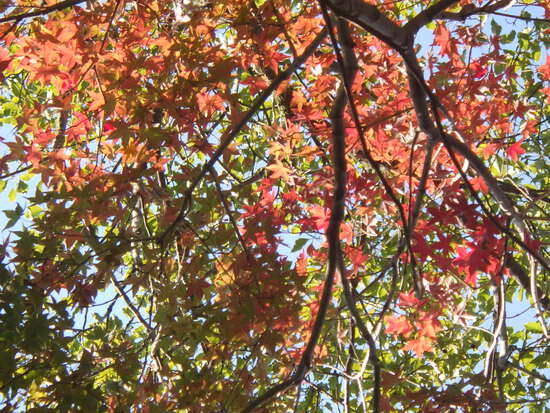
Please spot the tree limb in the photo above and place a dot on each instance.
(426, 16)
(43, 11)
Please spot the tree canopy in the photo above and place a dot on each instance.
(275, 205)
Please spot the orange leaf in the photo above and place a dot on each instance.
(398, 326)
(419, 345)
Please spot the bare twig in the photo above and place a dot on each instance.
(130, 305)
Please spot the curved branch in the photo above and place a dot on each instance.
(426, 16)
(333, 239)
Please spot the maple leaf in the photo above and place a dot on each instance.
(444, 40)
(428, 325)
(5, 61)
(321, 217)
(209, 103)
(34, 155)
(515, 150)
(418, 345)
(108, 127)
(478, 69)
(398, 325)
(256, 84)
(544, 69)
(273, 58)
(357, 258)
(409, 300)
(478, 183)
(43, 138)
(279, 170)
(464, 261)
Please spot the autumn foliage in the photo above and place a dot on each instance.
(274, 205)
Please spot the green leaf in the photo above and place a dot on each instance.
(12, 196)
(495, 27)
(534, 327)
(13, 216)
(299, 244)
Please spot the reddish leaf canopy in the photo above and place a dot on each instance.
(270, 204)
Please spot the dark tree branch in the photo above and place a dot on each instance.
(368, 17)
(348, 66)
(42, 11)
(520, 275)
(60, 138)
(426, 16)
(333, 239)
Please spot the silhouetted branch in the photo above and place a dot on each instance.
(333, 239)
(42, 11)
(426, 16)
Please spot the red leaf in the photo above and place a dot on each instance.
(409, 300)
(34, 155)
(443, 40)
(479, 185)
(398, 326)
(545, 68)
(428, 325)
(478, 69)
(209, 103)
(515, 150)
(419, 345)
(108, 127)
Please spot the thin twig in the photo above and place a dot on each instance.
(130, 305)
(229, 213)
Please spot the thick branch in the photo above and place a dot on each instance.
(426, 16)
(368, 17)
(347, 63)
(349, 67)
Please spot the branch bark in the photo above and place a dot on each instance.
(43, 11)
(333, 239)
